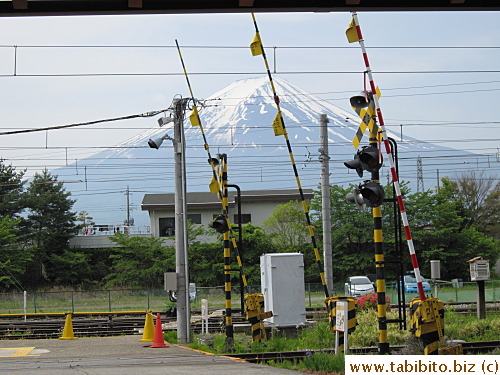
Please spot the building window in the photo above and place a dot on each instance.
(245, 218)
(167, 226)
(195, 218)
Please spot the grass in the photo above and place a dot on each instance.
(469, 328)
(319, 336)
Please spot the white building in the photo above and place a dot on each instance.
(256, 206)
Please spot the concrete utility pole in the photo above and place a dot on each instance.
(324, 158)
(181, 260)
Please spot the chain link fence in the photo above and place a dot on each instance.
(118, 300)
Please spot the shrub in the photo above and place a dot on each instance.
(369, 301)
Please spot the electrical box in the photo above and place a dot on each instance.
(170, 280)
(479, 269)
(282, 282)
(435, 269)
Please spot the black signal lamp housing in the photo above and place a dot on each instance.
(366, 159)
(373, 193)
(219, 224)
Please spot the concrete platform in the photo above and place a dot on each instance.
(117, 355)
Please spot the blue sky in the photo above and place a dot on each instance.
(453, 109)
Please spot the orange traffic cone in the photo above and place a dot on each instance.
(149, 328)
(159, 341)
(68, 329)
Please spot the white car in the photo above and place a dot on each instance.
(357, 286)
(192, 293)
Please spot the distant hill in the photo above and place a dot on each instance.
(237, 121)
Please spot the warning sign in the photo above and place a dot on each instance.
(341, 316)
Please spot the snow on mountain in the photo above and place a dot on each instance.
(237, 121)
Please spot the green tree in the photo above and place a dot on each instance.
(206, 260)
(51, 224)
(450, 232)
(476, 198)
(352, 234)
(287, 226)
(85, 219)
(139, 261)
(13, 257)
(11, 191)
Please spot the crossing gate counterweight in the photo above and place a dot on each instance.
(427, 324)
(254, 308)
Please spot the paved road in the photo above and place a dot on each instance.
(117, 355)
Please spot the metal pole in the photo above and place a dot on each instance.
(185, 224)
(240, 244)
(24, 301)
(183, 310)
(398, 244)
(324, 158)
(481, 300)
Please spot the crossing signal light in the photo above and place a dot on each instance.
(357, 198)
(372, 192)
(362, 100)
(219, 224)
(369, 193)
(366, 159)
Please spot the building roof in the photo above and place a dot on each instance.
(166, 202)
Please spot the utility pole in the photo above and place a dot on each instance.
(181, 242)
(324, 158)
(181, 260)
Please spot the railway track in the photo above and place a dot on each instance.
(46, 329)
(130, 323)
(469, 348)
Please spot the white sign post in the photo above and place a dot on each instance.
(204, 316)
(341, 324)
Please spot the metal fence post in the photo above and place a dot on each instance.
(72, 301)
(149, 291)
(309, 291)
(34, 300)
(109, 299)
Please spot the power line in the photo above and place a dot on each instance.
(159, 74)
(147, 114)
(173, 46)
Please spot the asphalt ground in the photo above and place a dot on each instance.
(117, 355)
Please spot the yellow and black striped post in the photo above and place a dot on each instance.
(331, 304)
(383, 344)
(254, 308)
(227, 256)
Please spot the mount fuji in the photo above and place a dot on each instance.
(236, 121)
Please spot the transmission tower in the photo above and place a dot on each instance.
(420, 176)
(128, 221)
